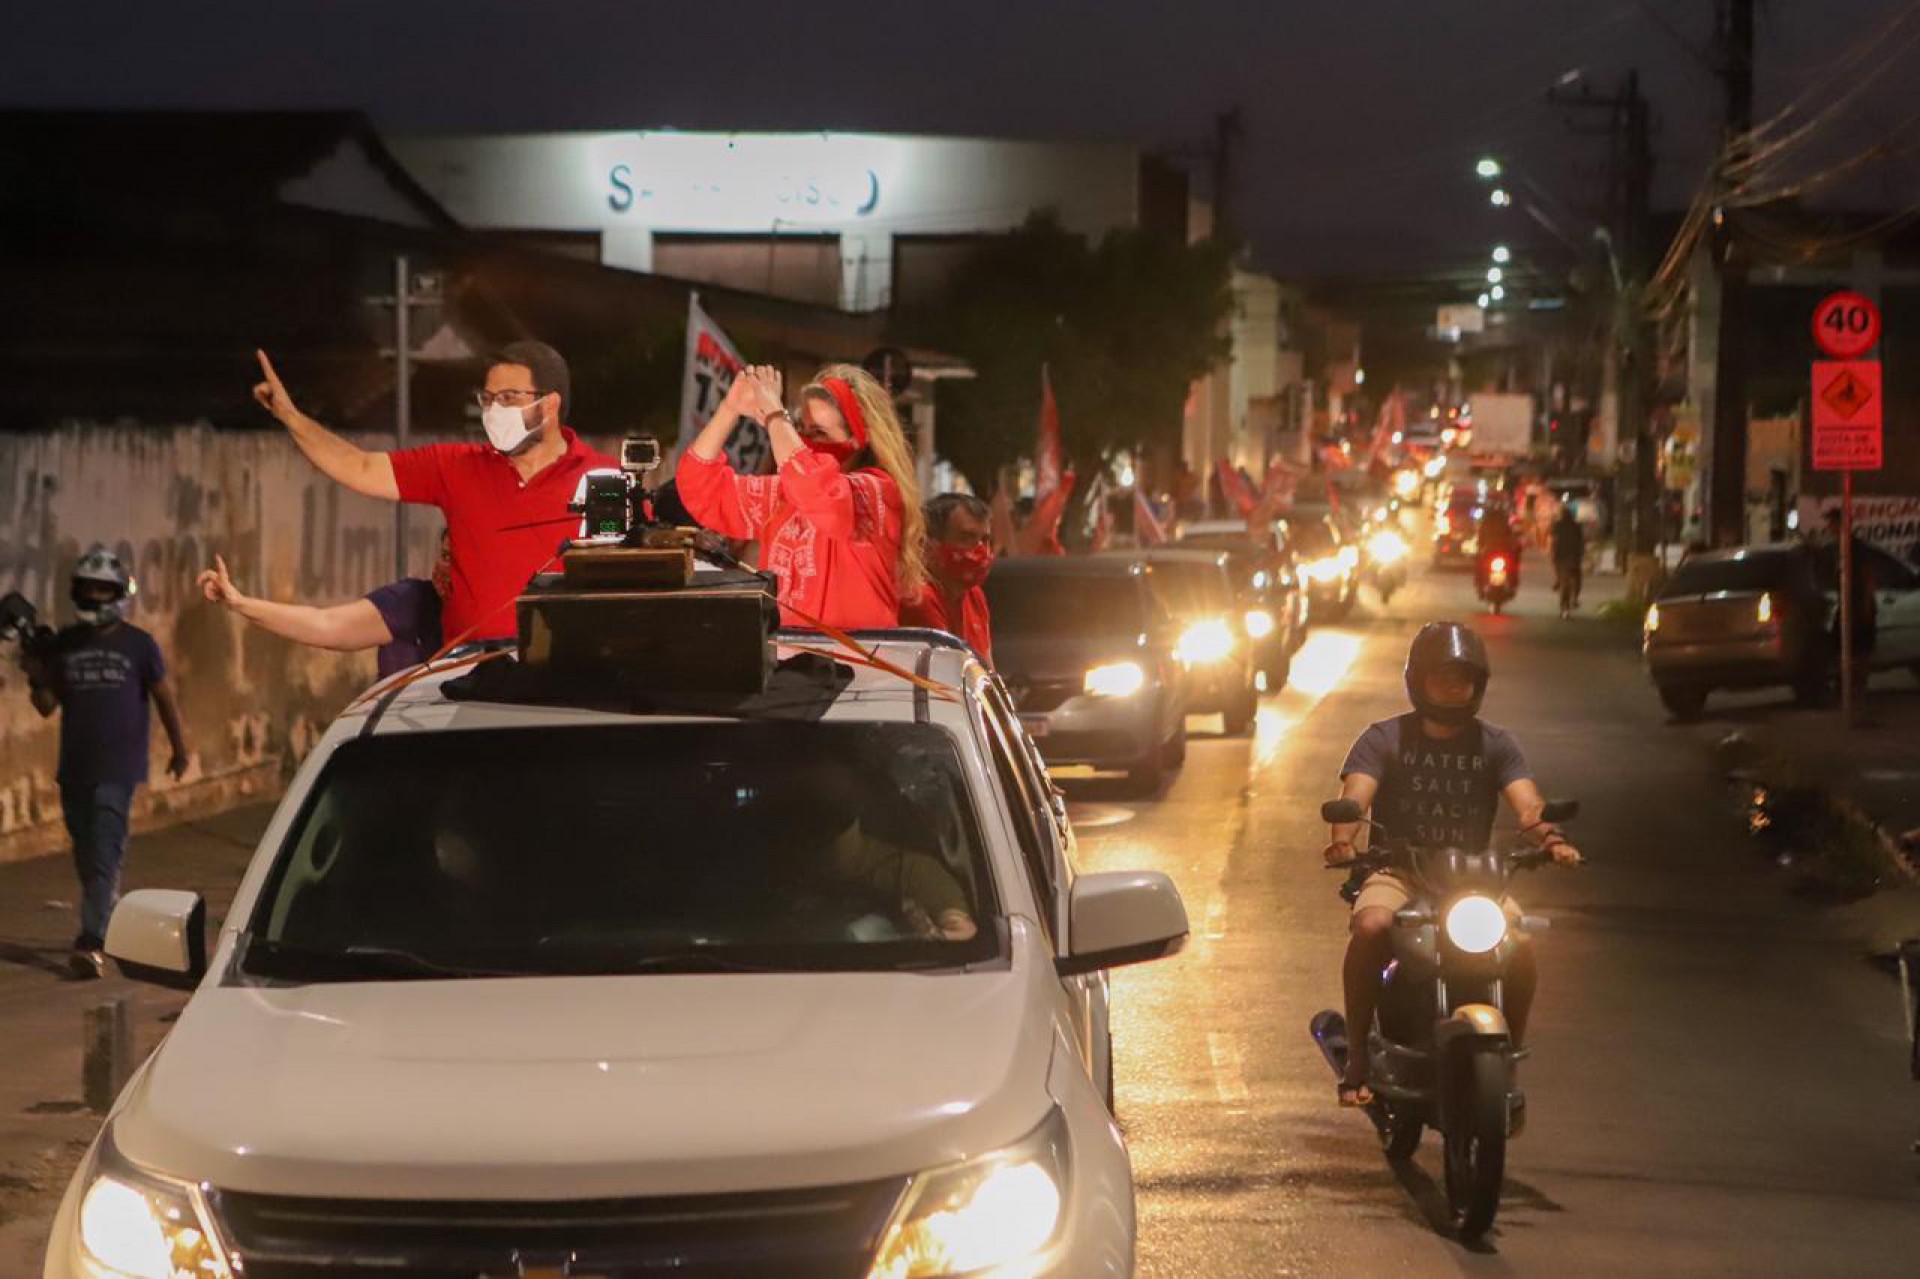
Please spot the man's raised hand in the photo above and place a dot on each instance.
(218, 586)
(272, 393)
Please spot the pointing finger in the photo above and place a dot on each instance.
(266, 367)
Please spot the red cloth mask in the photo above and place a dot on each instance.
(969, 568)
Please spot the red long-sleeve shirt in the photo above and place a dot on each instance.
(934, 610)
(831, 538)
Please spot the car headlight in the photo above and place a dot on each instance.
(1001, 1209)
(1116, 679)
(1259, 623)
(1406, 483)
(1386, 547)
(1329, 569)
(1205, 642)
(1476, 924)
(136, 1225)
(1260, 580)
(1349, 557)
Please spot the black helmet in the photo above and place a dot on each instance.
(1439, 645)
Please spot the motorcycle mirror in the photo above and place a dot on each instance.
(1560, 810)
(1338, 812)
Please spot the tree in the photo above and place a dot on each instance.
(1124, 327)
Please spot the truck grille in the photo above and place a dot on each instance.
(795, 1234)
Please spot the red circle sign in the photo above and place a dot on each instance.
(1846, 325)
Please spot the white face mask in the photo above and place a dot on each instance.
(507, 427)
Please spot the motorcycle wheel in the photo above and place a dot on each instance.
(1476, 1146)
(1494, 605)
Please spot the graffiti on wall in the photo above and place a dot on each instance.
(168, 500)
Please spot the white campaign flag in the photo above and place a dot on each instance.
(712, 364)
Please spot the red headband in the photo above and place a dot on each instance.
(843, 396)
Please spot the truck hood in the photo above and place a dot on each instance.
(558, 1088)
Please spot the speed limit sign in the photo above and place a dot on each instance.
(1846, 325)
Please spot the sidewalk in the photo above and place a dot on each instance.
(44, 1125)
(1875, 766)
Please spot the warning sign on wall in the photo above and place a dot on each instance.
(1846, 415)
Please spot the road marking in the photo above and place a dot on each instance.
(1228, 1079)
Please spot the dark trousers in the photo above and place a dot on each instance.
(96, 814)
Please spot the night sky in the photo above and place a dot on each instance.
(1363, 117)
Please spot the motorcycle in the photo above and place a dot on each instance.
(1386, 566)
(1439, 1052)
(1498, 579)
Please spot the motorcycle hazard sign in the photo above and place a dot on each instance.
(1846, 415)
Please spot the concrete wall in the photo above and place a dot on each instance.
(168, 499)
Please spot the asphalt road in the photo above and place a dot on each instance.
(1718, 1083)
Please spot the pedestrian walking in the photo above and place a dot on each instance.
(505, 501)
(100, 675)
(1569, 543)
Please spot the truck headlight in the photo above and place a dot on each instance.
(1115, 679)
(1205, 643)
(1476, 924)
(1259, 623)
(1001, 1209)
(136, 1225)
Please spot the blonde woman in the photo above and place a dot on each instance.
(839, 524)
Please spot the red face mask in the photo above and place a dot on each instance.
(839, 450)
(968, 568)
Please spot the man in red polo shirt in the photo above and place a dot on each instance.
(505, 501)
(959, 556)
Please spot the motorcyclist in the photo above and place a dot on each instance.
(1495, 536)
(1432, 778)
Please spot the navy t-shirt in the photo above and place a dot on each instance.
(104, 677)
(1437, 791)
(411, 609)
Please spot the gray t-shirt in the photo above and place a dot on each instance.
(1437, 790)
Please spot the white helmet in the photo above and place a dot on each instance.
(99, 566)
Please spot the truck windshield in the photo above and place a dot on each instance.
(759, 846)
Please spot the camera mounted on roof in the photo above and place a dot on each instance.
(614, 505)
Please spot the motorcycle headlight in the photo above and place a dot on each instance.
(1476, 924)
(1349, 557)
(1002, 1209)
(1386, 547)
(1259, 623)
(136, 1225)
(1116, 679)
(1204, 643)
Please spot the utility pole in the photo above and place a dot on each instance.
(1629, 245)
(1726, 520)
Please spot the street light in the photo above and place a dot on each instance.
(1498, 292)
(1502, 254)
(1500, 199)
(1488, 167)
(1495, 275)
(1485, 298)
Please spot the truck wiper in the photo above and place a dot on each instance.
(277, 959)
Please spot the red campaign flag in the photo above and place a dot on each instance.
(1335, 458)
(1041, 536)
(1147, 529)
(1276, 491)
(1233, 487)
(1047, 466)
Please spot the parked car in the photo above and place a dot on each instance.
(805, 986)
(1272, 598)
(1329, 562)
(1196, 587)
(1758, 616)
(1087, 650)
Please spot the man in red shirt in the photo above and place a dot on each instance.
(959, 556)
(505, 501)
